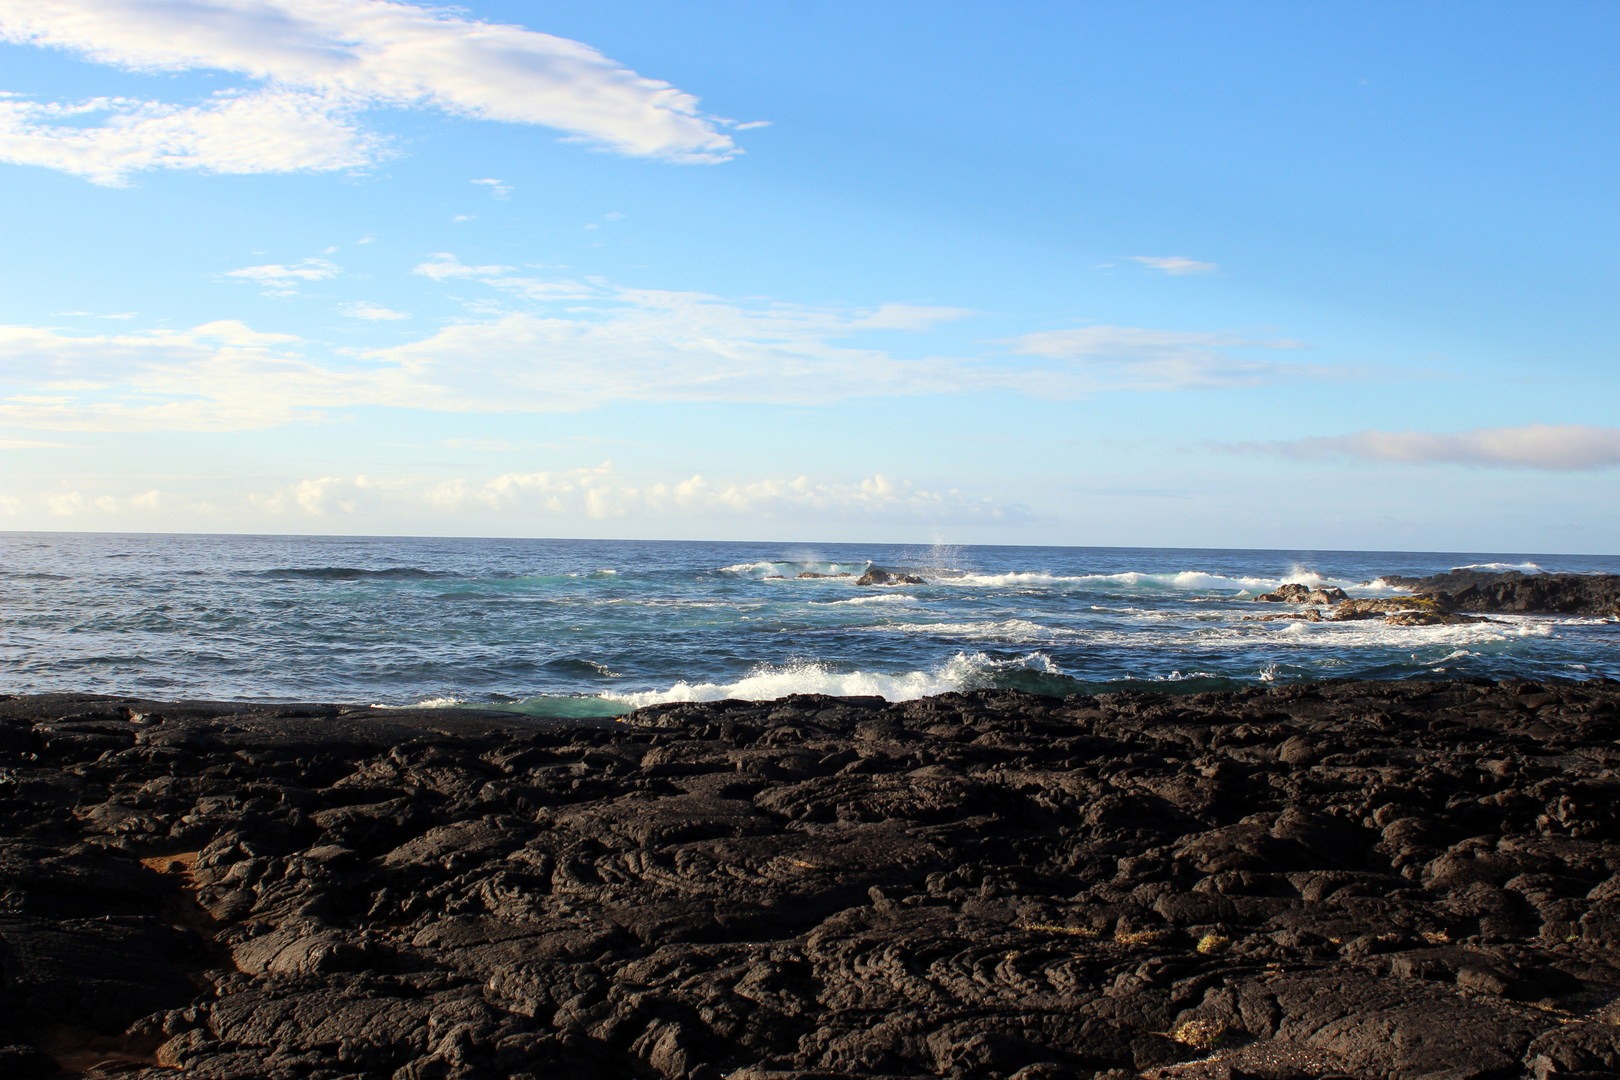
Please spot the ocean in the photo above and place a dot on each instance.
(595, 628)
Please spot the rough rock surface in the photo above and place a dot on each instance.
(1337, 879)
(1514, 592)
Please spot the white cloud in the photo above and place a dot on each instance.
(278, 280)
(251, 132)
(1139, 358)
(362, 309)
(498, 189)
(317, 68)
(1175, 265)
(1549, 447)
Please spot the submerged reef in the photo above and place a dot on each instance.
(1344, 879)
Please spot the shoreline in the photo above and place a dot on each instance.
(1351, 878)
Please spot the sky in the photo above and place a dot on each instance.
(1237, 274)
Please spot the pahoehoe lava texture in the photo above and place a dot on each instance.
(1352, 879)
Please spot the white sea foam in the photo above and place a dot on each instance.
(426, 703)
(771, 681)
(1143, 581)
(1375, 633)
(875, 600)
(1015, 631)
(748, 569)
(1184, 676)
(1502, 567)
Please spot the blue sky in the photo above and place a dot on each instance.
(1236, 274)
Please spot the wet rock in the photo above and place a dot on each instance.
(1295, 593)
(877, 575)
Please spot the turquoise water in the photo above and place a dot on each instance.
(566, 627)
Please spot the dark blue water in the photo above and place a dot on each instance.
(577, 627)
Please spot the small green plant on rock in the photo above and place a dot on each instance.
(1213, 943)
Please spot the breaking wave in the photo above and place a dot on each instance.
(767, 682)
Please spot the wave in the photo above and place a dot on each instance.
(1140, 581)
(579, 665)
(767, 682)
(1013, 631)
(1375, 633)
(440, 702)
(876, 599)
(1502, 567)
(772, 569)
(1034, 673)
(351, 573)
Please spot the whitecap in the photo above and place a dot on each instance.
(767, 682)
(1016, 631)
(877, 599)
(426, 703)
(1502, 567)
(747, 569)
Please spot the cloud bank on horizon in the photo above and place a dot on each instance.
(351, 265)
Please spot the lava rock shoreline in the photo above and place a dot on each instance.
(1349, 879)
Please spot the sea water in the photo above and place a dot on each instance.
(576, 627)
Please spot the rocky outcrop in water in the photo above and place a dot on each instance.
(1394, 610)
(1296, 593)
(877, 575)
(1342, 879)
(1514, 592)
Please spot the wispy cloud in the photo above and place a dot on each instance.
(315, 70)
(543, 345)
(278, 280)
(362, 309)
(1175, 265)
(1140, 358)
(497, 189)
(1548, 447)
